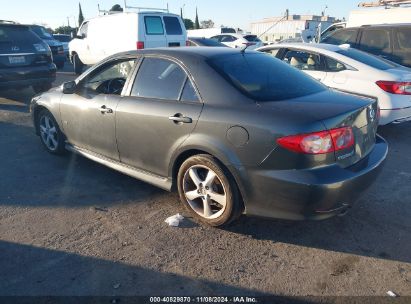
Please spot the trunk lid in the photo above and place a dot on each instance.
(336, 110)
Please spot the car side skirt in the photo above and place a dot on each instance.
(158, 181)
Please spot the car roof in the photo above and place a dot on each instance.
(184, 52)
(378, 25)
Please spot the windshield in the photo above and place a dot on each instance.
(264, 78)
(41, 32)
(367, 59)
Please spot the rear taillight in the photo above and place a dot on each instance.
(140, 45)
(394, 87)
(319, 142)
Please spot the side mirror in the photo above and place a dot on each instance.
(69, 87)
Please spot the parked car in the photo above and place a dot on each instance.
(64, 39)
(353, 71)
(106, 35)
(239, 41)
(210, 32)
(57, 49)
(25, 60)
(390, 41)
(197, 41)
(229, 129)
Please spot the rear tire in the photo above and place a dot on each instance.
(51, 137)
(208, 191)
(78, 65)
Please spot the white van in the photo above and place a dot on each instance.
(109, 34)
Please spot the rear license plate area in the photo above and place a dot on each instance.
(17, 59)
(174, 44)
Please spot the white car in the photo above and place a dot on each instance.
(239, 41)
(353, 71)
(109, 34)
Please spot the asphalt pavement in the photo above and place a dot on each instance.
(69, 226)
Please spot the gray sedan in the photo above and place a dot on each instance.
(234, 131)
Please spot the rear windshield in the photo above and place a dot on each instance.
(41, 32)
(173, 26)
(252, 38)
(62, 38)
(209, 42)
(264, 78)
(227, 30)
(367, 59)
(17, 34)
(154, 25)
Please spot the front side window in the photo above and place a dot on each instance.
(84, 29)
(375, 40)
(154, 25)
(159, 79)
(173, 26)
(264, 78)
(303, 60)
(110, 79)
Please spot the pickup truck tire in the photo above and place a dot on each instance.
(78, 65)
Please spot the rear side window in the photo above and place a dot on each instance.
(404, 38)
(228, 30)
(154, 25)
(189, 93)
(160, 79)
(341, 37)
(375, 40)
(264, 78)
(173, 26)
(10, 34)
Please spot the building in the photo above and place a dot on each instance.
(295, 26)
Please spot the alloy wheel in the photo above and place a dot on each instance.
(204, 192)
(48, 133)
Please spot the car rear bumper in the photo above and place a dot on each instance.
(310, 194)
(26, 76)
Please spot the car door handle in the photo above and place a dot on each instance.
(105, 110)
(179, 118)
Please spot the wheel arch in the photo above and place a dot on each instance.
(183, 155)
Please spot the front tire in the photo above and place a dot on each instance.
(208, 191)
(50, 135)
(78, 64)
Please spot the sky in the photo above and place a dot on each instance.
(231, 13)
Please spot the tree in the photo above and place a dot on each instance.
(80, 15)
(197, 23)
(116, 8)
(68, 30)
(207, 23)
(189, 24)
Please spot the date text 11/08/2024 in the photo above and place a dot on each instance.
(203, 300)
